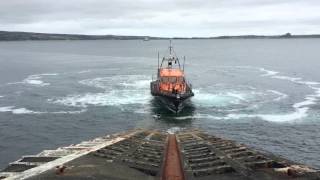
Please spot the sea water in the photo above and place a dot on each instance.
(262, 92)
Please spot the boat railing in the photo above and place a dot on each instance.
(188, 87)
(154, 77)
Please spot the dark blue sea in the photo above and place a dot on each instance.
(263, 92)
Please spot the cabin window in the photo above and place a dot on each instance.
(179, 79)
(172, 79)
(164, 79)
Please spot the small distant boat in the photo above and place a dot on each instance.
(171, 86)
(146, 39)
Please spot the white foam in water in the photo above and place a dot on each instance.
(200, 116)
(137, 84)
(36, 80)
(205, 99)
(173, 130)
(14, 110)
(232, 98)
(311, 83)
(236, 95)
(143, 110)
(308, 101)
(107, 83)
(68, 112)
(268, 72)
(293, 79)
(279, 94)
(113, 98)
(298, 114)
(1, 96)
(118, 90)
(96, 82)
(300, 108)
(84, 71)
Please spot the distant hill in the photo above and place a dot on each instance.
(23, 36)
(284, 36)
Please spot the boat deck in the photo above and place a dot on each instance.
(146, 154)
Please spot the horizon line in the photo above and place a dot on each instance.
(165, 37)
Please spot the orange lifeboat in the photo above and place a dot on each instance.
(171, 84)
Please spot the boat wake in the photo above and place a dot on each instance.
(219, 99)
(300, 108)
(35, 80)
(226, 100)
(117, 91)
(15, 110)
(221, 102)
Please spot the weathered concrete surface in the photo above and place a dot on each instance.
(148, 155)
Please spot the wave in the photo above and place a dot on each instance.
(174, 130)
(136, 84)
(205, 99)
(301, 108)
(14, 110)
(118, 90)
(143, 110)
(17, 110)
(84, 71)
(293, 79)
(268, 72)
(199, 116)
(231, 98)
(35, 80)
(68, 112)
(113, 98)
(47, 74)
(109, 83)
(280, 95)
(300, 113)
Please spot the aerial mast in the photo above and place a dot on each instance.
(184, 60)
(170, 47)
(158, 59)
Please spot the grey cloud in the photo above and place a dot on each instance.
(160, 17)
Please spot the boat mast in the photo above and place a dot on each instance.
(158, 73)
(184, 60)
(172, 57)
(170, 47)
(158, 59)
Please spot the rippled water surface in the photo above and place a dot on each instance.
(264, 93)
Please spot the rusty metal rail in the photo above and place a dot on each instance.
(172, 167)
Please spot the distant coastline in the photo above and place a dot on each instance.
(25, 36)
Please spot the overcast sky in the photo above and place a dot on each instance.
(162, 17)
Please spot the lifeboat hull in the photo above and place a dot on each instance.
(174, 101)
